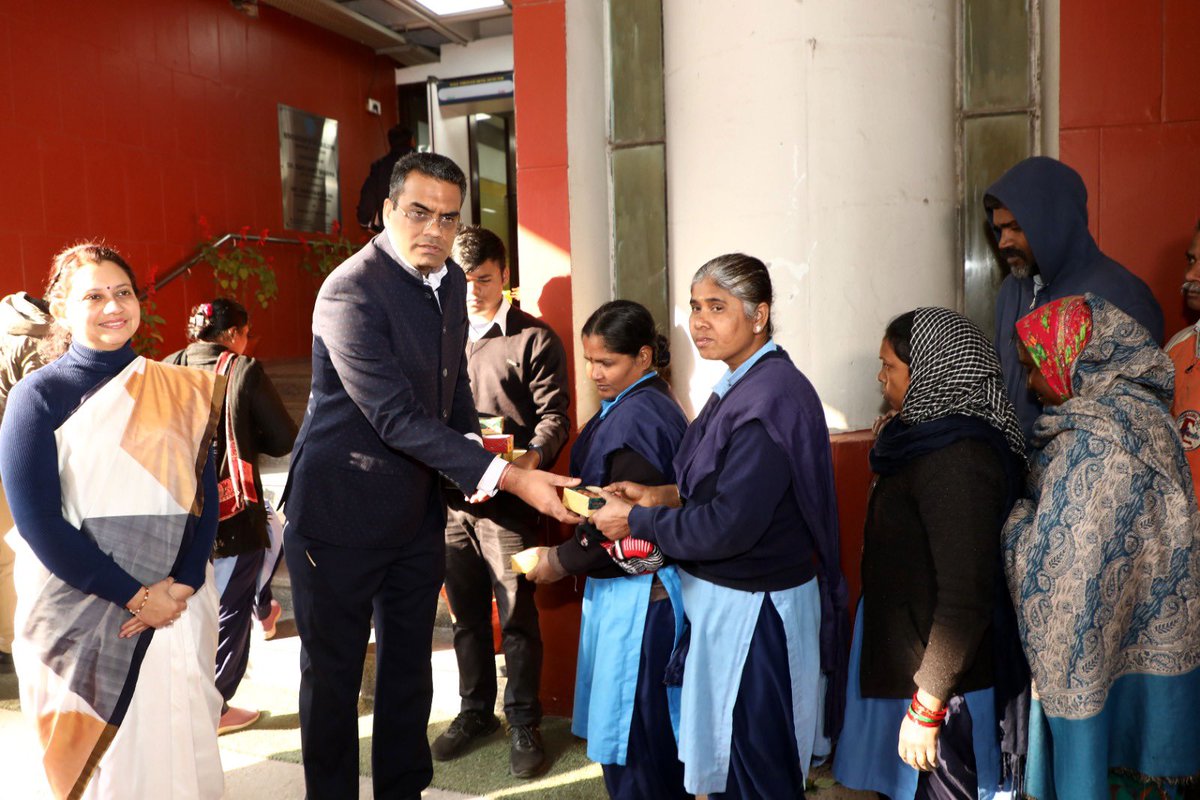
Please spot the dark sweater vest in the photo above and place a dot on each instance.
(929, 569)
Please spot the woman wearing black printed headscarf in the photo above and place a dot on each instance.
(921, 710)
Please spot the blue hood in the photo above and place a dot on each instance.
(1049, 201)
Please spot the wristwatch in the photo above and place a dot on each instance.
(533, 448)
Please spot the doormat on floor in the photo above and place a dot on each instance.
(482, 772)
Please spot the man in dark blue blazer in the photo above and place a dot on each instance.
(389, 414)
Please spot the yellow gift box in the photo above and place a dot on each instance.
(514, 455)
(583, 500)
(524, 561)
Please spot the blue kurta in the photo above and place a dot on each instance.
(723, 626)
(647, 420)
(759, 510)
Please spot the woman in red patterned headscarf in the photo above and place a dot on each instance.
(1102, 562)
(1048, 342)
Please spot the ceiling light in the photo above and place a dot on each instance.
(446, 8)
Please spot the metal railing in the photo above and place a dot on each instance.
(185, 266)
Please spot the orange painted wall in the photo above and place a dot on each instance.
(126, 121)
(543, 211)
(1130, 123)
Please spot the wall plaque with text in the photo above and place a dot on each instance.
(308, 170)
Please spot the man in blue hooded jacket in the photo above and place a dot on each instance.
(1038, 212)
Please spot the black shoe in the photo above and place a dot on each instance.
(6, 663)
(467, 725)
(526, 756)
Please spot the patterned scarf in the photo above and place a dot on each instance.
(1109, 529)
(1055, 334)
(954, 370)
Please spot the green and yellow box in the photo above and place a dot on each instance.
(513, 455)
(491, 424)
(583, 500)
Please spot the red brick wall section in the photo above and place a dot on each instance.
(127, 121)
(543, 210)
(852, 477)
(1130, 123)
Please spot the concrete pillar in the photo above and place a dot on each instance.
(588, 178)
(818, 136)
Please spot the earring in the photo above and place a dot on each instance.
(758, 328)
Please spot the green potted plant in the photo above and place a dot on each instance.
(322, 256)
(240, 267)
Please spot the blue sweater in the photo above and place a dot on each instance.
(38, 405)
(740, 527)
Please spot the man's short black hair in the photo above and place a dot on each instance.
(475, 245)
(991, 203)
(434, 165)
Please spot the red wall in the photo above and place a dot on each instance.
(126, 121)
(1130, 123)
(543, 209)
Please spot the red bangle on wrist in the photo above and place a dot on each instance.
(503, 475)
(924, 722)
(918, 709)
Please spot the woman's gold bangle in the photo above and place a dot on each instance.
(145, 599)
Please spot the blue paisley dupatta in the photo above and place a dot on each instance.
(131, 458)
(1103, 564)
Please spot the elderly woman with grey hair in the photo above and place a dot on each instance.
(752, 524)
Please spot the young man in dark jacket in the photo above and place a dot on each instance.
(1038, 212)
(518, 372)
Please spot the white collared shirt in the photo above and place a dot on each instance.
(433, 280)
(479, 326)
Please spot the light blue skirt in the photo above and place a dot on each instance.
(866, 756)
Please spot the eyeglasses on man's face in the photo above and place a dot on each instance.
(419, 217)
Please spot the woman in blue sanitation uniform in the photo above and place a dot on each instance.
(752, 523)
(632, 611)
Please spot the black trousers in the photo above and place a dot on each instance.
(239, 601)
(336, 591)
(478, 566)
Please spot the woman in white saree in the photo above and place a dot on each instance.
(106, 462)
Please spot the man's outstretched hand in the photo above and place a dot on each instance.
(539, 489)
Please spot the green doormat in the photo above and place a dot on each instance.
(483, 771)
